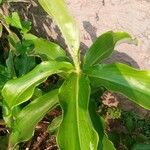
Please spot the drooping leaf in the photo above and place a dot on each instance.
(21, 89)
(104, 142)
(133, 83)
(76, 131)
(44, 48)
(31, 114)
(50, 50)
(104, 46)
(58, 10)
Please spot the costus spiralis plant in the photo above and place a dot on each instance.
(79, 127)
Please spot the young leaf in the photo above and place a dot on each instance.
(20, 90)
(104, 142)
(48, 49)
(104, 46)
(133, 83)
(31, 114)
(14, 20)
(58, 10)
(76, 131)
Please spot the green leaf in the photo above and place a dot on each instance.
(22, 62)
(58, 10)
(31, 114)
(104, 142)
(20, 90)
(47, 49)
(76, 131)
(13, 40)
(133, 83)
(14, 20)
(26, 26)
(104, 46)
(3, 76)
(55, 124)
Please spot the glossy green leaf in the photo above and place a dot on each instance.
(20, 90)
(76, 131)
(44, 48)
(133, 83)
(104, 46)
(31, 114)
(48, 49)
(104, 142)
(58, 10)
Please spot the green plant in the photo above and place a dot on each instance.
(130, 131)
(80, 126)
(15, 60)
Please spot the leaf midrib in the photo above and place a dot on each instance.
(77, 105)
